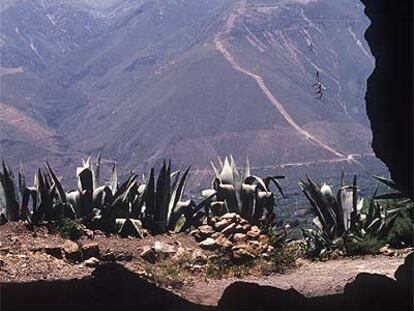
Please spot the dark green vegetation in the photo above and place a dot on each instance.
(344, 223)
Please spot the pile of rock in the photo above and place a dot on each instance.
(231, 234)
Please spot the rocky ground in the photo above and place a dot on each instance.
(180, 263)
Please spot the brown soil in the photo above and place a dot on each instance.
(21, 261)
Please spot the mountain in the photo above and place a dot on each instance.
(139, 81)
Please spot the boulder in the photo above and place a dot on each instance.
(90, 250)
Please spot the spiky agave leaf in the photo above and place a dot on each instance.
(226, 174)
(97, 171)
(128, 227)
(113, 183)
(177, 194)
(10, 195)
(276, 182)
(58, 185)
(162, 198)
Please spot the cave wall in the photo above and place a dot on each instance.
(389, 95)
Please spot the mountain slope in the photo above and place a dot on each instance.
(191, 79)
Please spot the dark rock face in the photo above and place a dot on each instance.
(111, 287)
(390, 88)
(366, 292)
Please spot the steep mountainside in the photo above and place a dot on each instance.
(187, 79)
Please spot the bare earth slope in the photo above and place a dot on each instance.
(142, 80)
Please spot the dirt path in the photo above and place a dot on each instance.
(221, 47)
(311, 279)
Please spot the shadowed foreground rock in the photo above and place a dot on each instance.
(366, 292)
(390, 88)
(111, 287)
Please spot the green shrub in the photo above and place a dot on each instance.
(69, 229)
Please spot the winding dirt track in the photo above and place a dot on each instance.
(221, 47)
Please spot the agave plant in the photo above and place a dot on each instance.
(48, 202)
(10, 209)
(242, 193)
(340, 219)
(109, 207)
(163, 200)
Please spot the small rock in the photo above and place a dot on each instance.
(246, 227)
(255, 244)
(199, 258)
(387, 251)
(163, 250)
(254, 232)
(211, 221)
(232, 229)
(194, 232)
(179, 254)
(231, 216)
(208, 244)
(263, 238)
(224, 243)
(205, 231)
(239, 238)
(108, 256)
(92, 262)
(240, 229)
(90, 250)
(242, 255)
(198, 237)
(123, 256)
(216, 235)
(71, 250)
(148, 254)
(89, 233)
(196, 268)
(222, 224)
